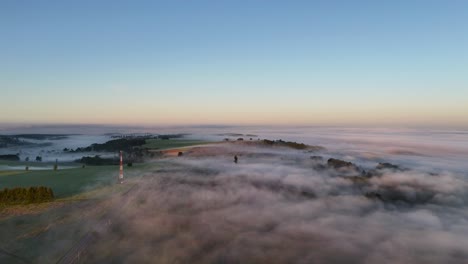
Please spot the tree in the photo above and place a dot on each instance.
(31, 194)
(38, 158)
(22, 195)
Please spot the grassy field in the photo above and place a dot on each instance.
(172, 143)
(43, 236)
(26, 163)
(68, 182)
(42, 233)
(73, 181)
(13, 172)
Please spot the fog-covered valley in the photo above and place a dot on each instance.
(278, 205)
(347, 195)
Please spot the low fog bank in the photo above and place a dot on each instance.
(284, 207)
(51, 149)
(423, 148)
(438, 149)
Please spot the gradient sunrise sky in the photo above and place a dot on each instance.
(234, 62)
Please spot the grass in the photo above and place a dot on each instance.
(69, 182)
(6, 173)
(44, 232)
(7, 211)
(172, 143)
(44, 236)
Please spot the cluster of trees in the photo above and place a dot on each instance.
(20, 195)
(42, 136)
(12, 157)
(170, 136)
(19, 140)
(289, 144)
(132, 147)
(136, 156)
(87, 149)
(114, 145)
(338, 164)
(97, 160)
(15, 157)
(38, 159)
(149, 136)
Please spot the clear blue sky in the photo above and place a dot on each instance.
(239, 62)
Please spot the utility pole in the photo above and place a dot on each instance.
(121, 168)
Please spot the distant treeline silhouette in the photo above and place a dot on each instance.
(10, 157)
(290, 144)
(97, 160)
(21, 195)
(123, 144)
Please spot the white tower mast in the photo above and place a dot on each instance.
(121, 168)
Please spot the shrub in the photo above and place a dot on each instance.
(20, 195)
(11, 157)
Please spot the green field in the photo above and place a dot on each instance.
(31, 231)
(44, 232)
(172, 143)
(12, 172)
(68, 182)
(28, 163)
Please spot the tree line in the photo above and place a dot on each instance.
(22, 195)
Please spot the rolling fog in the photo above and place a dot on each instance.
(52, 149)
(432, 149)
(274, 207)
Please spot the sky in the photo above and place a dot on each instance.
(376, 63)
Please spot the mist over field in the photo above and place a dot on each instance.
(274, 207)
(52, 149)
(285, 205)
(433, 149)
(232, 132)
